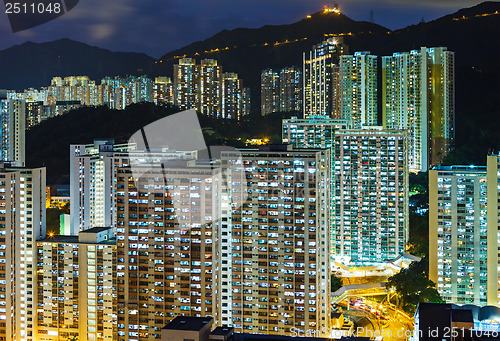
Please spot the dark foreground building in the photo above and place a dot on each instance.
(187, 328)
(436, 321)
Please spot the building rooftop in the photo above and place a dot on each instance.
(96, 230)
(60, 239)
(261, 337)
(279, 148)
(188, 323)
(222, 331)
(72, 239)
(461, 315)
(470, 168)
(275, 147)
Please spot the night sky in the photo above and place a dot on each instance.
(156, 27)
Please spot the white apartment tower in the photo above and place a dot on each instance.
(275, 272)
(321, 78)
(92, 187)
(371, 195)
(358, 89)
(290, 89)
(269, 92)
(418, 94)
(186, 75)
(210, 88)
(458, 233)
(12, 131)
(207, 89)
(312, 132)
(22, 222)
(464, 232)
(235, 98)
(93, 170)
(76, 286)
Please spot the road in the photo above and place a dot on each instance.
(397, 327)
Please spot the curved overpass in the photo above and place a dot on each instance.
(359, 290)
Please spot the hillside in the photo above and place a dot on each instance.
(47, 144)
(471, 32)
(34, 65)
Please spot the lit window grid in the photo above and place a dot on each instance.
(371, 196)
(265, 243)
(174, 241)
(462, 237)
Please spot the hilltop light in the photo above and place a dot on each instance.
(331, 10)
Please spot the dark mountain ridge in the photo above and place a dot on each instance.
(472, 33)
(33, 65)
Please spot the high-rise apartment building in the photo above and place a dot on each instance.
(73, 88)
(321, 89)
(12, 130)
(186, 75)
(247, 101)
(93, 170)
(163, 91)
(235, 98)
(167, 246)
(290, 89)
(464, 232)
(493, 223)
(76, 286)
(418, 94)
(371, 195)
(207, 89)
(29, 95)
(22, 220)
(459, 233)
(106, 93)
(35, 112)
(312, 132)
(120, 92)
(358, 89)
(281, 91)
(210, 88)
(92, 187)
(275, 272)
(269, 92)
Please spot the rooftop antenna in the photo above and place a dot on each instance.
(371, 17)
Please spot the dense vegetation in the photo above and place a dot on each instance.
(48, 144)
(336, 283)
(53, 218)
(412, 286)
(419, 215)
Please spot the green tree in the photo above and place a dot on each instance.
(53, 218)
(419, 234)
(412, 286)
(336, 283)
(419, 221)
